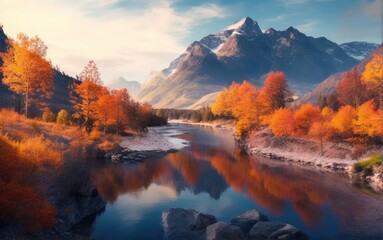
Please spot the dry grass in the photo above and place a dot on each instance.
(109, 143)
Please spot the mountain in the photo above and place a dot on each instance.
(61, 93)
(132, 86)
(329, 85)
(358, 50)
(243, 51)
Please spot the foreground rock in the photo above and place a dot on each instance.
(179, 223)
(132, 157)
(223, 231)
(247, 220)
(275, 230)
(189, 224)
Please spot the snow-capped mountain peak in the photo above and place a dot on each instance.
(245, 26)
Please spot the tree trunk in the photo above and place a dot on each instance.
(26, 103)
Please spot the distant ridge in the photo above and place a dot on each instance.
(242, 51)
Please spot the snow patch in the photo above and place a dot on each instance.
(236, 25)
(215, 50)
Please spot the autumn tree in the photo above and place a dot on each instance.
(63, 117)
(351, 90)
(105, 106)
(48, 115)
(321, 130)
(26, 71)
(373, 74)
(343, 119)
(275, 91)
(369, 121)
(241, 102)
(282, 122)
(86, 94)
(123, 109)
(304, 117)
(226, 100)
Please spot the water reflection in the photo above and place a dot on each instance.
(213, 165)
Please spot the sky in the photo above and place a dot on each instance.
(131, 38)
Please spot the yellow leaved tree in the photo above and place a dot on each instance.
(26, 71)
(373, 74)
(86, 95)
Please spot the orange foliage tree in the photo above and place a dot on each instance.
(282, 122)
(241, 102)
(123, 109)
(373, 75)
(304, 117)
(342, 121)
(369, 122)
(351, 90)
(275, 91)
(105, 107)
(86, 95)
(26, 71)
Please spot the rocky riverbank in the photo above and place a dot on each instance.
(179, 223)
(336, 156)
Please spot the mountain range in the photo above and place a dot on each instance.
(132, 86)
(328, 86)
(243, 52)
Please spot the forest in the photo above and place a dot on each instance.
(36, 143)
(354, 112)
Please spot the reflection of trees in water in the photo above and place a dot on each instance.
(210, 169)
(269, 186)
(115, 180)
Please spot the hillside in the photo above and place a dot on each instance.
(358, 50)
(60, 98)
(243, 51)
(328, 86)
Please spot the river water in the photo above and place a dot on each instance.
(214, 175)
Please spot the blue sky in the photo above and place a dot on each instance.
(131, 38)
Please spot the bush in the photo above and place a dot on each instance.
(63, 117)
(48, 115)
(367, 165)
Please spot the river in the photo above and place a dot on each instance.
(214, 175)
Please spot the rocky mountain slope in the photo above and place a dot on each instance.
(359, 50)
(328, 86)
(243, 51)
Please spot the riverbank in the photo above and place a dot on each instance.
(227, 125)
(336, 156)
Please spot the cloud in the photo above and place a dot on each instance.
(308, 27)
(124, 40)
(279, 18)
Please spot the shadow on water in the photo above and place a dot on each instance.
(216, 176)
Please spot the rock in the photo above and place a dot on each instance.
(116, 157)
(181, 223)
(247, 220)
(223, 231)
(275, 230)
